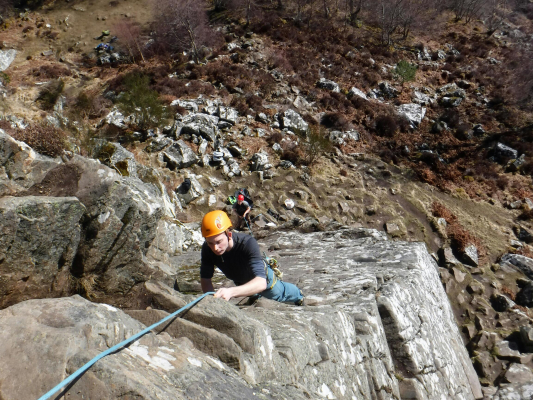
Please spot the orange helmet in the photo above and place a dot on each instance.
(215, 222)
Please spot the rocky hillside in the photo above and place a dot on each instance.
(113, 145)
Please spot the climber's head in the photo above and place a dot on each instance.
(240, 198)
(215, 230)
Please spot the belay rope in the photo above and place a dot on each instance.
(118, 347)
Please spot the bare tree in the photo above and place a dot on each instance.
(466, 9)
(245, 8)
(399, 17)
(493, 12)
(354, 8)
(129, 34)
(183, 25)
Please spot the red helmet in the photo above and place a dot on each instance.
(240, 197)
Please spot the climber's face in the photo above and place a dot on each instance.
(220, 243)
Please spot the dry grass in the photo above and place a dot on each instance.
(44, 139)
(440, 211)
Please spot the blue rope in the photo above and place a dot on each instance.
(117, 347)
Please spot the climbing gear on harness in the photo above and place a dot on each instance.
(215, 222)
(273, 264)
(118, 347)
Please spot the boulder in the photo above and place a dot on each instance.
(202, 125)
(413, 112)
(387, 90)
(514, 391)
(324, 83)
(195, 191)
(451, 90)
(356, 92)
(293, 121)
(157, 144)
(526, 337)
(6, 58)
(447, 257)
(189, 105)
(470, 255)
(259, 162)
(179, 156)
(422, 99)
(20, 166)
(502, 152)
(525, 296)
(39, 238)
(228, 114)
(523, 263)
(115, 156)
(518, 373)
(115, 118)
(340, 138)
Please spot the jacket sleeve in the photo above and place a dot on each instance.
(207, 266)
(255, 261)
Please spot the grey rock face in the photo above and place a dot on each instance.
(20, 166)
(413, 112)
(6, 58)
(39, 238)
(201, 125)
(74, 330)
(179, 156)
(407, 280)
(381, 327)
(119, 225)
(293, 121)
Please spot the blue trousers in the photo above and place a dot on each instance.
(281, 291)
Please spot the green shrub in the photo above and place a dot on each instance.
(4, 78)
(141, 102)
(405, 71)
(316, 144)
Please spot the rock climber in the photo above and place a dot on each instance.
(242, 209)
(237, 255)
